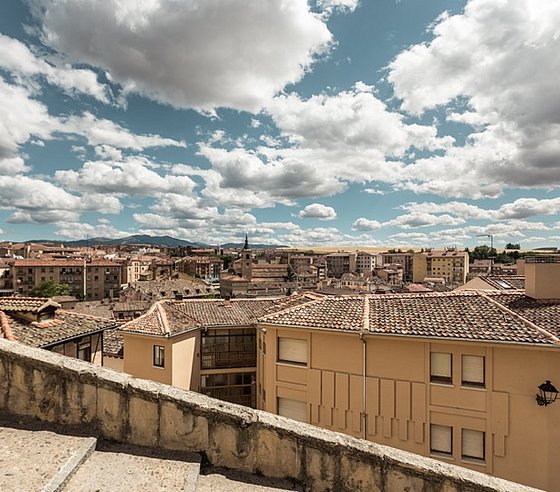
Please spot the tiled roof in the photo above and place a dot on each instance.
(94, 308)
(174, 317)
(463, 315)
(26, 304)
(67, 325)
(543, 313)
(505, 282)
(113, 343)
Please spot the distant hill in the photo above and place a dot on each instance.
(168, 241)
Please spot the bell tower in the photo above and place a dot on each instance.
(246, 261)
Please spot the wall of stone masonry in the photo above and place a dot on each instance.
(62, 390)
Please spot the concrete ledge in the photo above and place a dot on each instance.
(55, 388)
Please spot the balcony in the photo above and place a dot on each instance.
(226, 355)
(242, 395)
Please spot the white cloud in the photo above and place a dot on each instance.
(80, 230)
(363, 224)
(214, 53)
(37, 201)
(503, 59)
(414, 220)
(317, 211)
(102, 131)
(13, 165)
(21, 118)
(18, 58)
(131, 177)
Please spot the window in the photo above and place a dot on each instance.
(292, 350)
(293, 409)
(159, 356)
(472, 370)
(472, 444)
(84, 349)
(440, 367)
(441, 439)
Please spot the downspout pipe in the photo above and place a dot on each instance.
(364, 385)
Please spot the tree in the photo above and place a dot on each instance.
(50, 289)
(513, 246)
(483, 252)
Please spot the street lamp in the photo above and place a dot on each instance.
(547, 394)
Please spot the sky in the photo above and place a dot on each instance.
(394, 123)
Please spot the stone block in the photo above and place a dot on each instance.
(111, 416)
(357, 475)
(180, 430)
(143, 422)
(232, 446)
(320, 469)
(47, 390)
(396, 480)
(21, 401)
(277, 456)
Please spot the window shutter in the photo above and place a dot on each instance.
(472, 444)
(292, 350)
(441, 438)
(473, 369)
(293, 409)
(440, 364)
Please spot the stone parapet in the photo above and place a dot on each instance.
(114, 406)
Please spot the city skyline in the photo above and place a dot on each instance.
(331, 122)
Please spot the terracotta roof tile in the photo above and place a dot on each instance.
(26, 304)
(67, 326)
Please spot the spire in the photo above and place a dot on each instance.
(246, 245)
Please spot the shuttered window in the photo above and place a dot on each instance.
(440, 367)
(441, 439)
(472, 444)
(292, 350)
(472, 370)
(293, 409)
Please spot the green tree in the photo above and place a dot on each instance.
(483, 252)
(513, 246)
(50, 289)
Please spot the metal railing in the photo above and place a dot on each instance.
(229, 355)
(543, 259)
(242, 395)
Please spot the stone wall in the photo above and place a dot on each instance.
(115, 406)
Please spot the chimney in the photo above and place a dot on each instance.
(541, 276)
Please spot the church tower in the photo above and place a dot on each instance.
(247, 261)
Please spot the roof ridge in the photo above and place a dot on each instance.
(291, 308)
(173, 305)
(5, 327)
(524, 320)
(162, 317)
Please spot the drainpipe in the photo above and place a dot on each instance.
(364, 384)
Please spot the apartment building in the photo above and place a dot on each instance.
(205, 267)
(453, 266)
(134, 269)
(405, 260)
(340, 263)
(449, 375)
(205, 345)
(102, 278)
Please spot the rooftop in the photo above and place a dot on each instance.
(463, 315)
(174, 317)
(26, 304)
(66, 325)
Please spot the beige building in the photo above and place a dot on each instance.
(405, 260)
(102, 279)
(448, 375)
(451, 265)
(205, 267)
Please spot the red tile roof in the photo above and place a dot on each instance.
(26, 304)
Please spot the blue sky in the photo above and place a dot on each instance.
(331, 122)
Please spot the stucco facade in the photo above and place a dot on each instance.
(378, 388)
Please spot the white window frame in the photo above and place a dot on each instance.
(158, 356)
